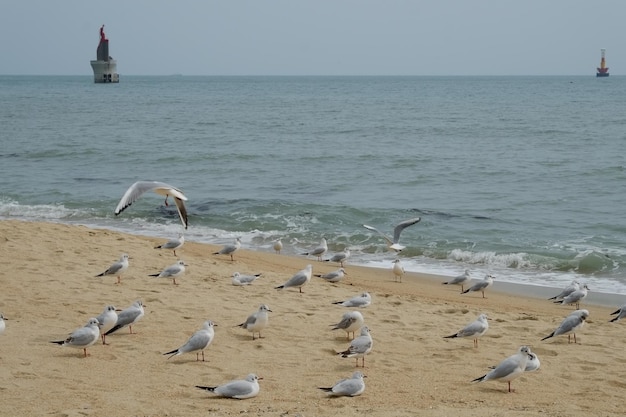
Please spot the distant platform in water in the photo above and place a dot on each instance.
(104, 67)
(603, 70)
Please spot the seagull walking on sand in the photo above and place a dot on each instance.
(239, 389)
(334, 276)
(128, 317)
(509, 369)
(199, 341)
(475, 329)
(319, 250)
(349, 387)
(173, 244)
(575, 297)
(257, 321)
(229, 249)
(619, 314)
(118, 268)
(461, 280)
(107, 319)
(359, 347)
(570, 325)
(241, 280)
(350, 322)
(398, 270)
(340, 257)
(137, 189)
(359, 301)
(83, 337)
(173, 271)
(481, 285)
(395, 243)
(575, 285)
(299, 279)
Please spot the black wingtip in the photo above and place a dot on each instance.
(205, 388)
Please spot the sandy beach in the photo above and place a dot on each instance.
(50, 288)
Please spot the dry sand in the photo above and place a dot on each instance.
(49, 288)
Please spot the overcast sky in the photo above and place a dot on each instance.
(315, 37)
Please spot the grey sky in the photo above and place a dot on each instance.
(315, 37)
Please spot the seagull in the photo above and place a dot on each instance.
(299, 279)
(349, 387)
(118, 268)
(199, 341)
(278, 245)
(395, 243)
(475, 329)
(83, 337)
(240, 280)
(2, 323)
(620, 313)
(107, 319)
(575, 285)
(140, 187)
(362, 300)
(334, 276)
(257, 321)
(173, 271)
(359, 347)
(318, 251)
(239, 389)
(229, 249)
(340, 257)
(508, 369)
(533, 363)
(350, 323)
(173, 244)
(481, 285)
(575, 297)
(570, 324)
(460, 280)
(128, 317)
(398, 270)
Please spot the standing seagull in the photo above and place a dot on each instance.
(118, 268)
(84, 337)
(173, 271)
(334, 276)
(107, 319)
(350, 323)
(278, 246)
(359, 347)
(229, 249)
(318, 251)
(570, 324)
(173, 244)
(508, 369)
(299, 279)
(620, 313)
(475, 329)
(361, 301)
(239, 389)
(340, 257)
(575, 285)
(257, 321)
(128, 317)
(398, 270)
(199, 341)
(137, 189)
(460, 280)
(349, 387)
(575, 297)
(481, 285)
(395, 243)
(241, 280)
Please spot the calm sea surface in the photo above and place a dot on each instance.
(521, 177)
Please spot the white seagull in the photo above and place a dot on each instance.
(240, 280)
(349, 387)
(334, 276)
(461, 280)
(509, 369)
(173, 271)
(475, 329)
(619, 314)
(137, 189)
(398, 270)
(199, 341)
(83, 337)
(118, 268)
(360, 301)
(340, 257)
(318, 251)
(239, 389)
(350, 323)
(395, 243)
(570, 324)
(128, 317)
(257, 321)
(575, 297)
(229, 249)
(278, 245)
(481, 285)
(173, 244)
(2, 323)
(107, 319)
(359, 347)
(298, 279)
(575, 285)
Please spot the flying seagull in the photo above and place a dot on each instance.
(161, 188)
(395, 243)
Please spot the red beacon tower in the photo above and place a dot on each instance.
(104, 67)
(603, 70)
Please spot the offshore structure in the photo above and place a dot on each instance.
(104, 67)
(603, 70)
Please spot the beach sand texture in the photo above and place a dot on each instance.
(49, 289)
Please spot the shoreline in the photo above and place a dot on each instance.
(50, 288)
